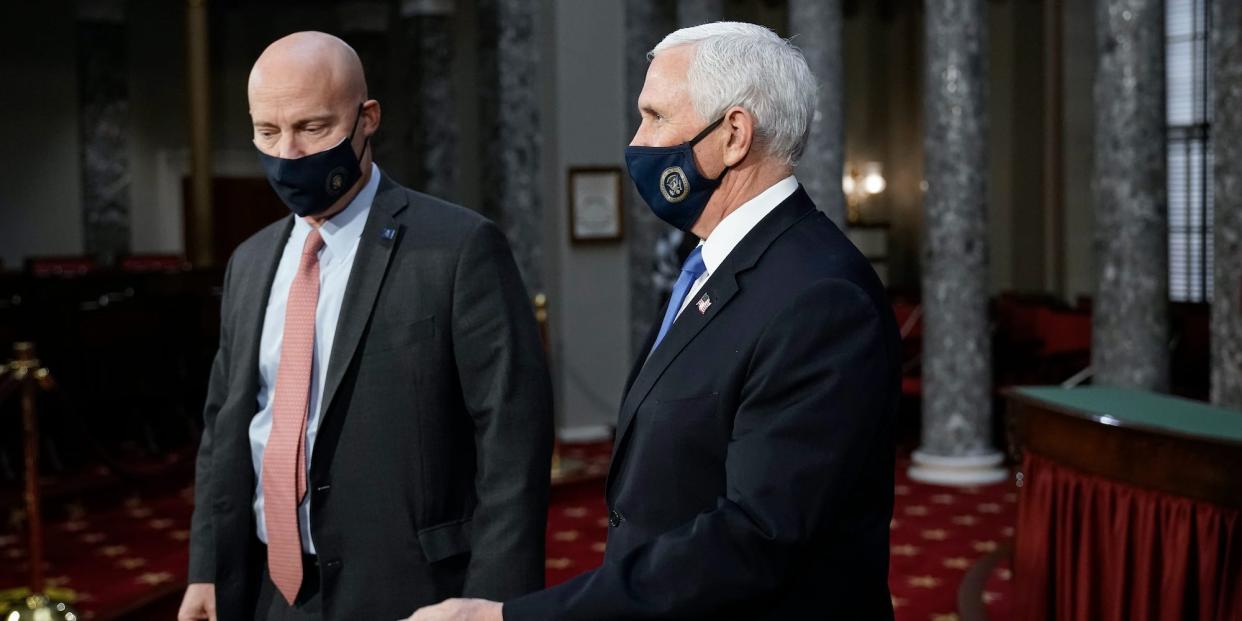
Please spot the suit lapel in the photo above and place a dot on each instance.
(254, 298)
(719, 289)
(642, 355)
(379, 236)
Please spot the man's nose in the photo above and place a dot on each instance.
(642, 137)
(289, 147)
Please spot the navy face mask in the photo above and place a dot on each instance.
(312, 183)
(669, 181)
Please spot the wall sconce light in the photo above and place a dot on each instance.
(861, 181)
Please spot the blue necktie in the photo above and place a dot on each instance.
(690, 272)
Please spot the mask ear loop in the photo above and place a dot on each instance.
(706, 130)
(703, 134)
(366, 142)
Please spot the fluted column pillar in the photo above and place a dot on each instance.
(955, 448)
(1130, 332)
(104, 127)
(431, 138)
(653, 245)
(817, 26)
(364, 26)
(1226, 54)
(512, 135)
(646, 23)
(696, 12)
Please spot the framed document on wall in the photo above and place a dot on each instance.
(595, 204)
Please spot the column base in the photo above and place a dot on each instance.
(968, 470)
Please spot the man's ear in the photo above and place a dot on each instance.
(740, 124)
(371, 117)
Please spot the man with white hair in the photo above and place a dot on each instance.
(753, 471)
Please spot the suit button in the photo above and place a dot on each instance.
(614, 519)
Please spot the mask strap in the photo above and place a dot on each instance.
(357, 117)
(703, 134)
(706, 130)
(366, 141)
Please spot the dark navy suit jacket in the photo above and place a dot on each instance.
(753, 471)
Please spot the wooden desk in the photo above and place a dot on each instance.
(1130, 507)
(1152, 441)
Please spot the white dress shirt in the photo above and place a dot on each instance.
(336, 260)
(726, 236)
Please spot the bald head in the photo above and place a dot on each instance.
(309, 60)
(306, 93)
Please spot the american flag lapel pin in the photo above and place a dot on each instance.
(389, 233)
(704, 303)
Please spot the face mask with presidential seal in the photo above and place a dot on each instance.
(669, 181)
(312, 183)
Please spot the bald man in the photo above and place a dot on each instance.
(377, 431)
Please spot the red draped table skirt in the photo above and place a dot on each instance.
(1092, 549)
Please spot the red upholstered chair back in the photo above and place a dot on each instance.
(59, 266)
(1016, 318)
(910, 323)
(138, 263)
(909, 320)
(1062, 331)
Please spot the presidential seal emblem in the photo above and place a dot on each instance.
(336, 181)
(674, 185)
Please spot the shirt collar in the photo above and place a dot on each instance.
(341, 231)
(734, 227)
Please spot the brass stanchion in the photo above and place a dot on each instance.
(541, 318)
(35, 602)
(200, 223)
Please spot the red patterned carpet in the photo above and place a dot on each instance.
(121, 553)
(115, 553)
(937, 534)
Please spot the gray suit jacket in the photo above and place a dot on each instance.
(429, 475)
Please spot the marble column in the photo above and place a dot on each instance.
(364, 26)
(955, 448)
(1130, 332)
(431, 135)
(1226, 54)
(696, 12)
(646, 23)
(672, 245)
(663, 257)
(104, 128)
(817, 25)
(510, 131)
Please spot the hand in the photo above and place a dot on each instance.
(199, 603)
(460, 610)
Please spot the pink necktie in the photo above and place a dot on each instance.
(284, 459)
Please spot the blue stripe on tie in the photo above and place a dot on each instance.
(690, 272)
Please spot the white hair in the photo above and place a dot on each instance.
(746, 65)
